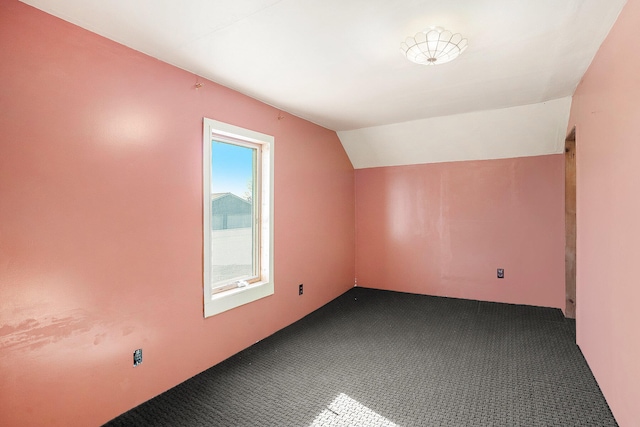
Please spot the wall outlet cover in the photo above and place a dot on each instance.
(137, 357)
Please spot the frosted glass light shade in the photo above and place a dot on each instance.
(433, 46)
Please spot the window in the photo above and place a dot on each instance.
(238, 216)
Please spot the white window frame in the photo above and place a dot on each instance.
(263, 287)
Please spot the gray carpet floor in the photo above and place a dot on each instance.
(379, 358)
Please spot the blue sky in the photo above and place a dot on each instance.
(231, 168)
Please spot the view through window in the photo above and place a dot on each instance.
(234, 217)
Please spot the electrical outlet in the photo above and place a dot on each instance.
(300, 290)
(501, 273)
(137, 357)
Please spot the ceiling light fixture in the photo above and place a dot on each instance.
(433, 46)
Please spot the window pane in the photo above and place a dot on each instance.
(233, 231)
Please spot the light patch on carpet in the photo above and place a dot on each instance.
(345, 411)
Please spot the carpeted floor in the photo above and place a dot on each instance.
(379, 358)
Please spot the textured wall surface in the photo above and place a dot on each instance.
(101, 223)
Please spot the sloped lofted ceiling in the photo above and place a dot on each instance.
(337, 63)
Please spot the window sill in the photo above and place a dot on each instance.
(233, 298)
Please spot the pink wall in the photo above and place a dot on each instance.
(443, 229)
(101, 223)
(606, 113)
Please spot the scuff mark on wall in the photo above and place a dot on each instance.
(36, 333)
(127, 330)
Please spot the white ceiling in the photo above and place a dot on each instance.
(337, 62)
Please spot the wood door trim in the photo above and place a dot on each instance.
(570, 224)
